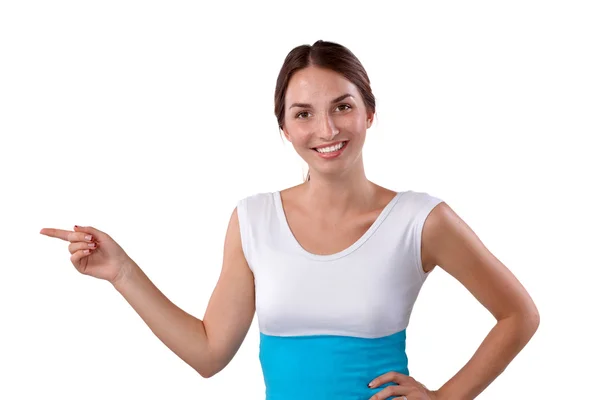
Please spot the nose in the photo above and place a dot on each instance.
(328, 128)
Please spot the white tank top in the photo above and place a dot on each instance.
(329, 324)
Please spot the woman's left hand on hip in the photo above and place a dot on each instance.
(405, 386)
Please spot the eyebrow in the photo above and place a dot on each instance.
(306, 105)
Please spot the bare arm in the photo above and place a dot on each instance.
(451, 244)
(206, 345)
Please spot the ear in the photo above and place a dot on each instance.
(285, 132)
(370, 118)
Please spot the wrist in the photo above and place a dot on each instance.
(438, 395)
(125, 274)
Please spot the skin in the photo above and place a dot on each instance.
(338, 198)
(338, 203)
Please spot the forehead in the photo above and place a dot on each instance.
(310, 84)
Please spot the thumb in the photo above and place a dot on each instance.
(93, 231)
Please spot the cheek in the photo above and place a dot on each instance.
(299, 136)
(298, 131)
(354, 122)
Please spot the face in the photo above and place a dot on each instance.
(325, 120)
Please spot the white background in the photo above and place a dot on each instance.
(150, 120)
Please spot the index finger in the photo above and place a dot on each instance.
(391, 376)
(57, 233)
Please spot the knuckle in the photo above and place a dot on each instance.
(75, 246)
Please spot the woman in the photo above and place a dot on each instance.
(332, 266)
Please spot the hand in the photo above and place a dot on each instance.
(406, 386)
(104, 260)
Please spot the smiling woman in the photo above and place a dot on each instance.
(332, 267)
(353, 104)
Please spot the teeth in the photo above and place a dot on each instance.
(331, 148)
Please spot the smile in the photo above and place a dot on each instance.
(330, 149)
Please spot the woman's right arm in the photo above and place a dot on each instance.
(206, 345)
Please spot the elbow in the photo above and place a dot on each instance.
(204, 374)
(204, 364)
(529, 326)
(523, 324)
(528, 322)
(535, 319)
(528, 318)
(532, 318)
(207, 371)
(210, 363)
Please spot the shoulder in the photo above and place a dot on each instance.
(266, 195)
(419, 204)
(254, 208)
(423, 212)
(255, 199)
(442, 220)
(445, 235)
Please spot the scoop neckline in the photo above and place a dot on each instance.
(328, 257)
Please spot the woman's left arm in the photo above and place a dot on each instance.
(447, 241)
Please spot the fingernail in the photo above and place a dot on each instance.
(88, 237)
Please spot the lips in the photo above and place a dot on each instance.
(329, 145)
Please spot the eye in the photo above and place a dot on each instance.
(345, 105)
(301, 113)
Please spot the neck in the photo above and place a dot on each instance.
(336, 195)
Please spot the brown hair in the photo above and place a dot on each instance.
(323, 54)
